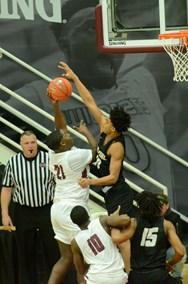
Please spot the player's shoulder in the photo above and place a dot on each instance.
(117, 148)
(81, 151)
(168, 225)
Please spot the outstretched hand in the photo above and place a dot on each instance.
(82, 128)
(69, 73)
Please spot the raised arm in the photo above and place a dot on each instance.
(60, 122)
(84, 93)
(91, 140)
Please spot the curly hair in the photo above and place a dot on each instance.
(149, 205)
(120, 119)
(163, 198)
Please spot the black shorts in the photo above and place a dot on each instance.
(120, 194)
(157, 276)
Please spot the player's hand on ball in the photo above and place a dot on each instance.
(60, 89)
(53, 101)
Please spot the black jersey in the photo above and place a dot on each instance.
(103, 160)
(150, 243)
(119, 193)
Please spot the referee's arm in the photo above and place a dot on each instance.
(6, 195)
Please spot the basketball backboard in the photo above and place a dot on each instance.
(133, 26)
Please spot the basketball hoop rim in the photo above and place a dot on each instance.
(175, 43)
(179, 34)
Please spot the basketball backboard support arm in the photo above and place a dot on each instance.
(114, 39)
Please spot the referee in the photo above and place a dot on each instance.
(28, 182)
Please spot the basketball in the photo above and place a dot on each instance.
(60, 89)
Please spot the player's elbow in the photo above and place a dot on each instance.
(114, 179)
(180, 252)
(117, 239)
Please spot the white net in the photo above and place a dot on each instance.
(179, 55)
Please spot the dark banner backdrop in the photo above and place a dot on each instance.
(141, 83)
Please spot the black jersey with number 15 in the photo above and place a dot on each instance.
(151, 242)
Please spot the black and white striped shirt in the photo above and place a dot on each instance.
(32, 182)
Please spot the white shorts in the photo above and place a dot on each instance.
(120, 277)
(65, 230)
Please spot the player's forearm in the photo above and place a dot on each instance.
(175, 259)
(104, 181)
(81, 267)
(60, 122)
(125, 233)
(91, 140)
(84, 93)
(117, 236)
(119, 221)
(93, 145)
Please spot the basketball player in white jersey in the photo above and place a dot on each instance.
(67, 164)
(95, 254)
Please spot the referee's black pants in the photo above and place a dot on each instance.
(30, 223)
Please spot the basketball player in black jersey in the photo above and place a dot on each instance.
(110, 154)
(111, 150)
(150, 234)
